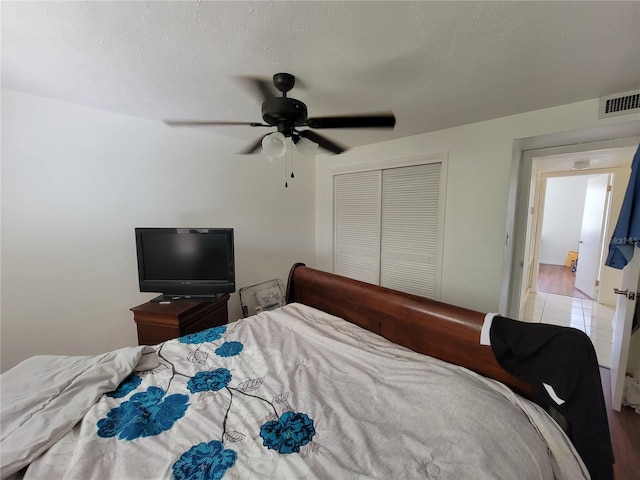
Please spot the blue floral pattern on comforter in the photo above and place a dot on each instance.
(144, 415)
(154, 412)
(204, 461)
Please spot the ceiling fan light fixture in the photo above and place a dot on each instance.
(306, 147)
(274, 145)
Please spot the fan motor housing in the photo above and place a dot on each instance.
(278, 110)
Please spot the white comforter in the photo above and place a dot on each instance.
(296, 393)
(43, 397)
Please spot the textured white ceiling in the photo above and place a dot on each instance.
(434, 64)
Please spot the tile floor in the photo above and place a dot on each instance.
(594, 319)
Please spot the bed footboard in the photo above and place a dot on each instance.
(426, 326)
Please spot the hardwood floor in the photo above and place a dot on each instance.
(624, 427)
(559, 280)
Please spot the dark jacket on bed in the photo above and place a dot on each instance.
(564, 358)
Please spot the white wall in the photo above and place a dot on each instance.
(562, 222)
(479, 168)
(75, 183)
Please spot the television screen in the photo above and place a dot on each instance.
(185, 262)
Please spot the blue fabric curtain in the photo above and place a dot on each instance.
(627, 232)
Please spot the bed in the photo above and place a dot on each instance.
(346, 381)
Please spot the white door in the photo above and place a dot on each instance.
(591, 235)
(625, 309)
(410, 229)
(357, 225)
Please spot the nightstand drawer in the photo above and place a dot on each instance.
(158, 322)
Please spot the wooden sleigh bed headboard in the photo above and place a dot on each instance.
(426, 326)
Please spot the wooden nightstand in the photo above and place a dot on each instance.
(158, 322)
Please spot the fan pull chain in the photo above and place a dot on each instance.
(289, 151)
(292, 147)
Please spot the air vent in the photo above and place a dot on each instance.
(620, 104)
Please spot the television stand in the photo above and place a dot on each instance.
(187, 298)
(160, 321)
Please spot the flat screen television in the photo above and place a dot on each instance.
(186, 263)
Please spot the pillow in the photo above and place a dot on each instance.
(270, 298)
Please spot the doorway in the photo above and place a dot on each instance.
(578, 210)
(568, 226)
(572, 218)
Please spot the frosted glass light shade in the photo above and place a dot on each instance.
(306, 147)
(274, 145)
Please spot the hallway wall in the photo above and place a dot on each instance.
(563, 207)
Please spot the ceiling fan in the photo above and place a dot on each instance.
(288, 115)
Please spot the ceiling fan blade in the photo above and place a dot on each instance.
(382, 120)
(200, 123)
(322, 142)
(260, 87)
(254, 147)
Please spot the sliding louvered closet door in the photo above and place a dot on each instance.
(409, 235)
(387, 227)
(357, 225)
